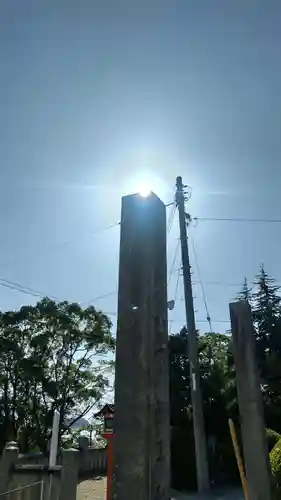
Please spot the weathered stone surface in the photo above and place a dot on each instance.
(141, 444)
(250, 403)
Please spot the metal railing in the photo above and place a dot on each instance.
(20, 488)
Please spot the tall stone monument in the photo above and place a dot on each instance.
(250, 403)
(142, 441)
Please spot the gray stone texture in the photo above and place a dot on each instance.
(250, 403)
(142, 442)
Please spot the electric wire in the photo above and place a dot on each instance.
(208, 317)
(24, 289)
(91, 233)
(171, 219)
(100, 297)
(177, 320)
(218, 283)
(36, 293)
(175, 297)
(174, 261)
(183, 321)
(237, 219)
(57, 246)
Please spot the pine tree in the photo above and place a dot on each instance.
(267, 321)
(266, 307)
(245, 293)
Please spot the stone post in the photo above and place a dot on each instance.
(9, 458)
(69, 478)
(142, 441)
(250, 403)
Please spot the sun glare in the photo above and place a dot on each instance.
(145, 183)
(144, 190)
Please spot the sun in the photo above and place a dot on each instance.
(144, 190)
(145, 183)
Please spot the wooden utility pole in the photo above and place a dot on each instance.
(196, 397)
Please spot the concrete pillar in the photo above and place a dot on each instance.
(69, 477)
(142, 441)
(250, 403)
(9, 458)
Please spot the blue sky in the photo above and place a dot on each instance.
(98, 96)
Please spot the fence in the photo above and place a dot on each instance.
(92, 461)
(29, 477)
(25, 492)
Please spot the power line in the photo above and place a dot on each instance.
(217, 283)
(214, 321)
(175, 296)
(208, 317)
(35, 293)
(183, 321)
(6, 285)
(23, 289)
(91, 233)
(237, 219)
(104, 296)
(169, 227)
(55, 246)
(172, 268)
(171, 219)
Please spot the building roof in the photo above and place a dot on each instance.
(108, 408)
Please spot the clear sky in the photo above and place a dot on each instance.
(98, 95)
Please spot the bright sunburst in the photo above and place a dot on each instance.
(144, 190)
(145, 182)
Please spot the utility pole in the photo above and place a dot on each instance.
(196, 397)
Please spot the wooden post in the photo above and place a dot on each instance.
(250, 403)
(238, 457)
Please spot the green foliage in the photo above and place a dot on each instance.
(218, 383)
(267, 321)
(49, 360)
(245, 293)
(213, 352)
(92, 431)
(275, 462)
(272, 438)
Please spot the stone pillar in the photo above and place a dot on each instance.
(250, 403)
(142, 441)
(69, 479)
(9, 458)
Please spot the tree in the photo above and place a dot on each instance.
(245, 293)
(49, 357)
(267, 322)
(182, 443)
(213, 352)
(266, 307)
(179, 378)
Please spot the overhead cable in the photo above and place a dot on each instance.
(175, 296)
(208, 317)
(172, 269)
(237, 219)
(23, 289)
(171, 219)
